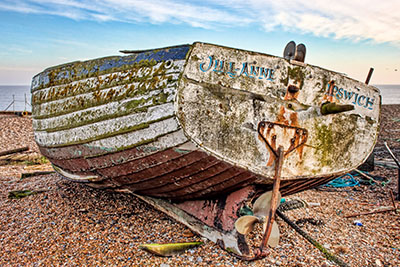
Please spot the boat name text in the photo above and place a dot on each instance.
(224, 67)
(347, 95)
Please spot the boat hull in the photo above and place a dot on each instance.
(185, 123)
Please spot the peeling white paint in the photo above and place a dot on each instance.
(106, 127)
(213, 105)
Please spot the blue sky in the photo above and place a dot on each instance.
(345, 36)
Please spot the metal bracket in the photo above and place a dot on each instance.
(273, 133)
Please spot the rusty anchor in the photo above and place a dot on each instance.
(266, 205)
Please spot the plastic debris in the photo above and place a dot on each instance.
(170, 249)
(17, 194)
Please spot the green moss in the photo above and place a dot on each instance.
(91, 68)
(297, 74)
(143, 142)
(37, 161)
(99, 98)
(325, 82)
(114, 133)
(195, 58)
(285, 81)
(325, 143)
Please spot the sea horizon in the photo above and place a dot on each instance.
(390, 96)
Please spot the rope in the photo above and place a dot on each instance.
(291, 205)
(342, 181)
(327, 254)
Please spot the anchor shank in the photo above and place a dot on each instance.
(274, 198)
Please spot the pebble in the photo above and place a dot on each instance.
(72, 224)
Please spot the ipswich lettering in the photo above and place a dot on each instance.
(245, 69)
(347, 95)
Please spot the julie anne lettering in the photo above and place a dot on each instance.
(229, 68)
(257, 72)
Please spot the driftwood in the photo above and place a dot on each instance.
(28, 158)
(366, 176)
(13, 151)
(170, 249)
(380, 210)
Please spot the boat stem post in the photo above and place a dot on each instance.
(371, 70)
(274, 199)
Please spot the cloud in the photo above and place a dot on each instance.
(341, 19)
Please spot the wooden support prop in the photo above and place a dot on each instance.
(393, 202)
(13, 151)
(398, 170)
(392, 155)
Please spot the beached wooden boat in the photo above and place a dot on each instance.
(198, 123)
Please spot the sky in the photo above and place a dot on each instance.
(341, 35)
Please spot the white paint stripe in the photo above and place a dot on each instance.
(73, 102)
(107, 127)
(123, 140)
(164, 141)
(96, 112)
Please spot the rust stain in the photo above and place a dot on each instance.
(292, 92)
(281, 116)
(329, 96)
(295, 136)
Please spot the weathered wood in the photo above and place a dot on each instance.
(366, 176)
(13, 151)
(225, 93)
(380, 210)
(398, 169)
(199, 125)
(169, 249)
(371, 70)
(118, 122)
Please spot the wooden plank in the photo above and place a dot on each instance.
(106, 128)
(73, 71)
(88, 150)
(139, 92)
(127, 77)
(96, 113)
(141, 178)
(13, 151)
(113, 140)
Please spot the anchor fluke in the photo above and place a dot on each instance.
(273, 240)
(261, 209)
(245, 224)
(263, 203)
